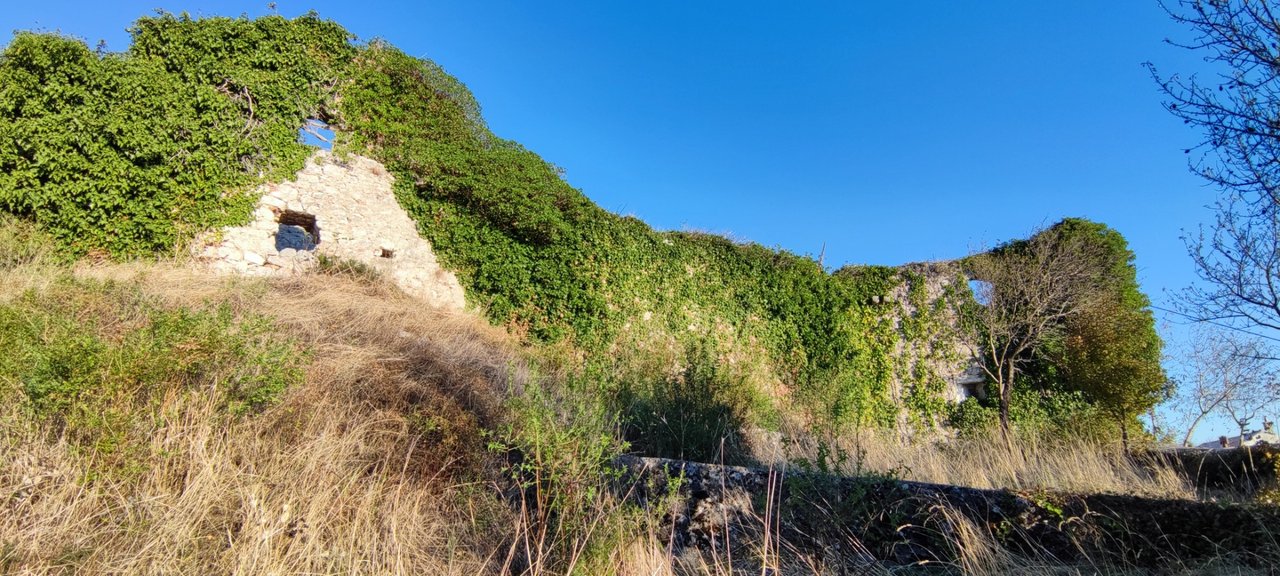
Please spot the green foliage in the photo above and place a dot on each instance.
(697, 415)
(1036, 412)
(133, 153)
(540, 257)
(1107, 348)
(94, 360)
(1110, 352)
(1113, 356)
(21, 243)
(558, 452)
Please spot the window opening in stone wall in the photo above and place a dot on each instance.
(981, 291)
(317, 133)
(298, 230)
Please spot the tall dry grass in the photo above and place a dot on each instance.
(1037, 462)
(376, 462)
(364, 468)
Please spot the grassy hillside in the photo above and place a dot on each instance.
(154, 419)
(157, 419)
(132, 153)
(692, 338)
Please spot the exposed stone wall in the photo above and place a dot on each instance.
(340, 208)
(945, 353)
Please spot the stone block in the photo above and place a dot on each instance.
(255, 259)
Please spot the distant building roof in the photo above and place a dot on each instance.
(1250, 439)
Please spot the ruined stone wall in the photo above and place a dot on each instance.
(940, 346)
(341, 208)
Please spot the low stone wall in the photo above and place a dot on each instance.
(1240, 471)
(852, 523)
(342, 208)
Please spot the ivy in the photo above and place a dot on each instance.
(133, 153)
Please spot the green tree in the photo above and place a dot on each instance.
(1113, 356)
(1028, 290)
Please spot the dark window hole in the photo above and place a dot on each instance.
(298, 230)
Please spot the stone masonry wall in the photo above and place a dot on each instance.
(340, 208)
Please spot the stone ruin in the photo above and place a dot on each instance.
(341, 208)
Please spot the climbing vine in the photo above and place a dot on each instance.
(133, 153)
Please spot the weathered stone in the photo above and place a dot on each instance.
(255, 259)
(912, 523)
(357, 218)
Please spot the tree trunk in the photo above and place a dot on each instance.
(1006, 395)
(1124, 435)
(1186, 440)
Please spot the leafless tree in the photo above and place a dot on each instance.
(1238, 111)
(1227, 373)
(1027, 290)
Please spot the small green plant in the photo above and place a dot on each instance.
(21, 242)
(346, 267)
(560, 460)
(93, 360)
(696, 415)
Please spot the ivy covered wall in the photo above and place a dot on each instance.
(130, 154)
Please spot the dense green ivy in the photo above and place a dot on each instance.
(133, 153)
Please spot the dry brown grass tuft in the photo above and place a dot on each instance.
(365, 468)
(1070, 465)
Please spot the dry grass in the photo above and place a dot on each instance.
(1068, 465)
(370, 465)
(353, 472)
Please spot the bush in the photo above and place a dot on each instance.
(560, 456)
(21, 243)
(133, 153)
(92, 361)
(698, 414)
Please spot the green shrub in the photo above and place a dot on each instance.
(560, 454)
(973, 418)
(93, 360)
(353, 269)
(133, 153)
(698, 414)
(21, 242)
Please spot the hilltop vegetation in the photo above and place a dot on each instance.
(157, 419)
(131, 154)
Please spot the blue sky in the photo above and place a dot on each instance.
(889, 132)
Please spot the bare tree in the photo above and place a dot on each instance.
(1238, 110)
(1227, 373)
(1027, 291)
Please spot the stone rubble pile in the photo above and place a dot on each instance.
(339, 208)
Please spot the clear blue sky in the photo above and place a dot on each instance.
(891, 132)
